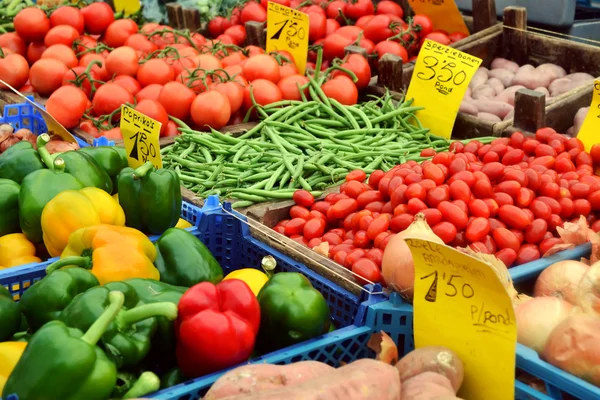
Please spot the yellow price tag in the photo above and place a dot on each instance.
(439, 82)
(444, 14)
(127, 6)
(140, 134)
(588, 133)
(461, 304)
(287, 29)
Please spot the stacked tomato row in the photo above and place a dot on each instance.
(379, 28)
(89, 63)
(505, 198)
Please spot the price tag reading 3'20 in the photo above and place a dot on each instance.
(439, 82)
(588, 133)
(140, 134)
(460, 303)
(287, 29)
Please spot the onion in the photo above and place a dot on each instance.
(397, 264)
(588, 291)
(27, 135)
(8, 142)
(58, 146)
(574, 346)
(537, 318)
(561, 280)
(6, 128)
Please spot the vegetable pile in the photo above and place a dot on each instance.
(505, 198)
(309, 144)
(491, 92)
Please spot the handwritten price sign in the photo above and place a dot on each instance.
(287, 29)
(461, 304)
(140, 134)
(444, 14)
(588, 133)
(442, 77)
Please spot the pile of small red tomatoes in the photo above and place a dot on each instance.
(90, 64)
(504, 198)
(379, 27)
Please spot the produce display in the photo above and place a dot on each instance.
(491, 93)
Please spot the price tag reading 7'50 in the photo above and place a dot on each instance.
(287, 29)
(440, 80)
(140, 136)
(588, 133)
(460, 303)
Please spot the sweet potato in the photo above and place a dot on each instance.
(543, 90)
(264, 377)
(436, 359)
(579, 118)
(508, 94)
(361, 380)
(495, 84)
(468, 107)
(427, 386)
(479, 78)
(488, 117)
(483, 92)
(494, 107)
(503, 63)
(504, 75)
(554, 71)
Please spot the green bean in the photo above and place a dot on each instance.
(242, 204)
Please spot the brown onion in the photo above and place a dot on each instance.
(574, 346)
(588, 290)
(9, 141)
(397, 265)
(561, 280)
(537, 318)
(26, 134)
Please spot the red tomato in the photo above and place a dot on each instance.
(527, 253)
(438, 37)
(400, 222)
(456, 36)
(97, 17)
(31, 24)
(506, 239)
(234, 92)
(391, 47)
(67, 15)
(122, 61)
(477, 229)
(110, 97)
(342, 89)
(390, 7)
(367, 269)
(359, 8)
(422, 24)
(211, 109)
(46, 75)
(303, 198)
(67, 105)
(154, 110)
(377, 226)
(13, 42)
(536, 231)
(360, 67)
(253, 11)
(507, 256)
(14, 70)
(445, 231)
(128, 83)
(155, 71)
(264, 91)
(334, 45)
(453, 214)
(295, 227)
(343, 208)
(356, 175)
(514, 216)
(261, 66)
(177, 99)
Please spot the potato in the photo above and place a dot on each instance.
(553, 70)
(579, 118)
(580, 77)
(504, 75)
(438, 359)
(427, 386)
(563, 85)
(484, 92)
(263, 377)
(494, 107)
(468, 107)
(495, 84)
(488, 117)
(361, 380)
(508, 94)
(530, 78)
(468, 92)
(543, 90)
(479, 78)
(503, 63)
(509, 116)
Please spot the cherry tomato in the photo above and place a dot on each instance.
(536, 231)
(295, 226)
(507, 256)
(400, 222)
(504, 238)
(514, 216)
(445, 231)
(527, 253)
(303, 198)
(356, 175)
(367, 269)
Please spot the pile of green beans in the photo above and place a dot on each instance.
(300, 144)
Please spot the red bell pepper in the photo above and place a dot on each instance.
(216, 326)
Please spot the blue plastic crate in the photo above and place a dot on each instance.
(24, 115)
(228, 238)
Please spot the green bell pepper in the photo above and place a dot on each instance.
(46, 299)
(111, 158)
(87, 171)
(291, 311)
(173, 377)
(131, 385)
(39, 187)
(19, 160)
(151, 291)
(183, 260)
(9, 204)
(127, 340)
(64, 363)
(151, 199)
(10, 315)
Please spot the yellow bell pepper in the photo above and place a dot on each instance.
(254, 278)
(182, 223)
(74, 209)
(10, 353)
(112, 253)
(15, 250)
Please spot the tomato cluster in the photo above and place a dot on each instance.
(505, 198)
(89, 64)
(379, 28)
